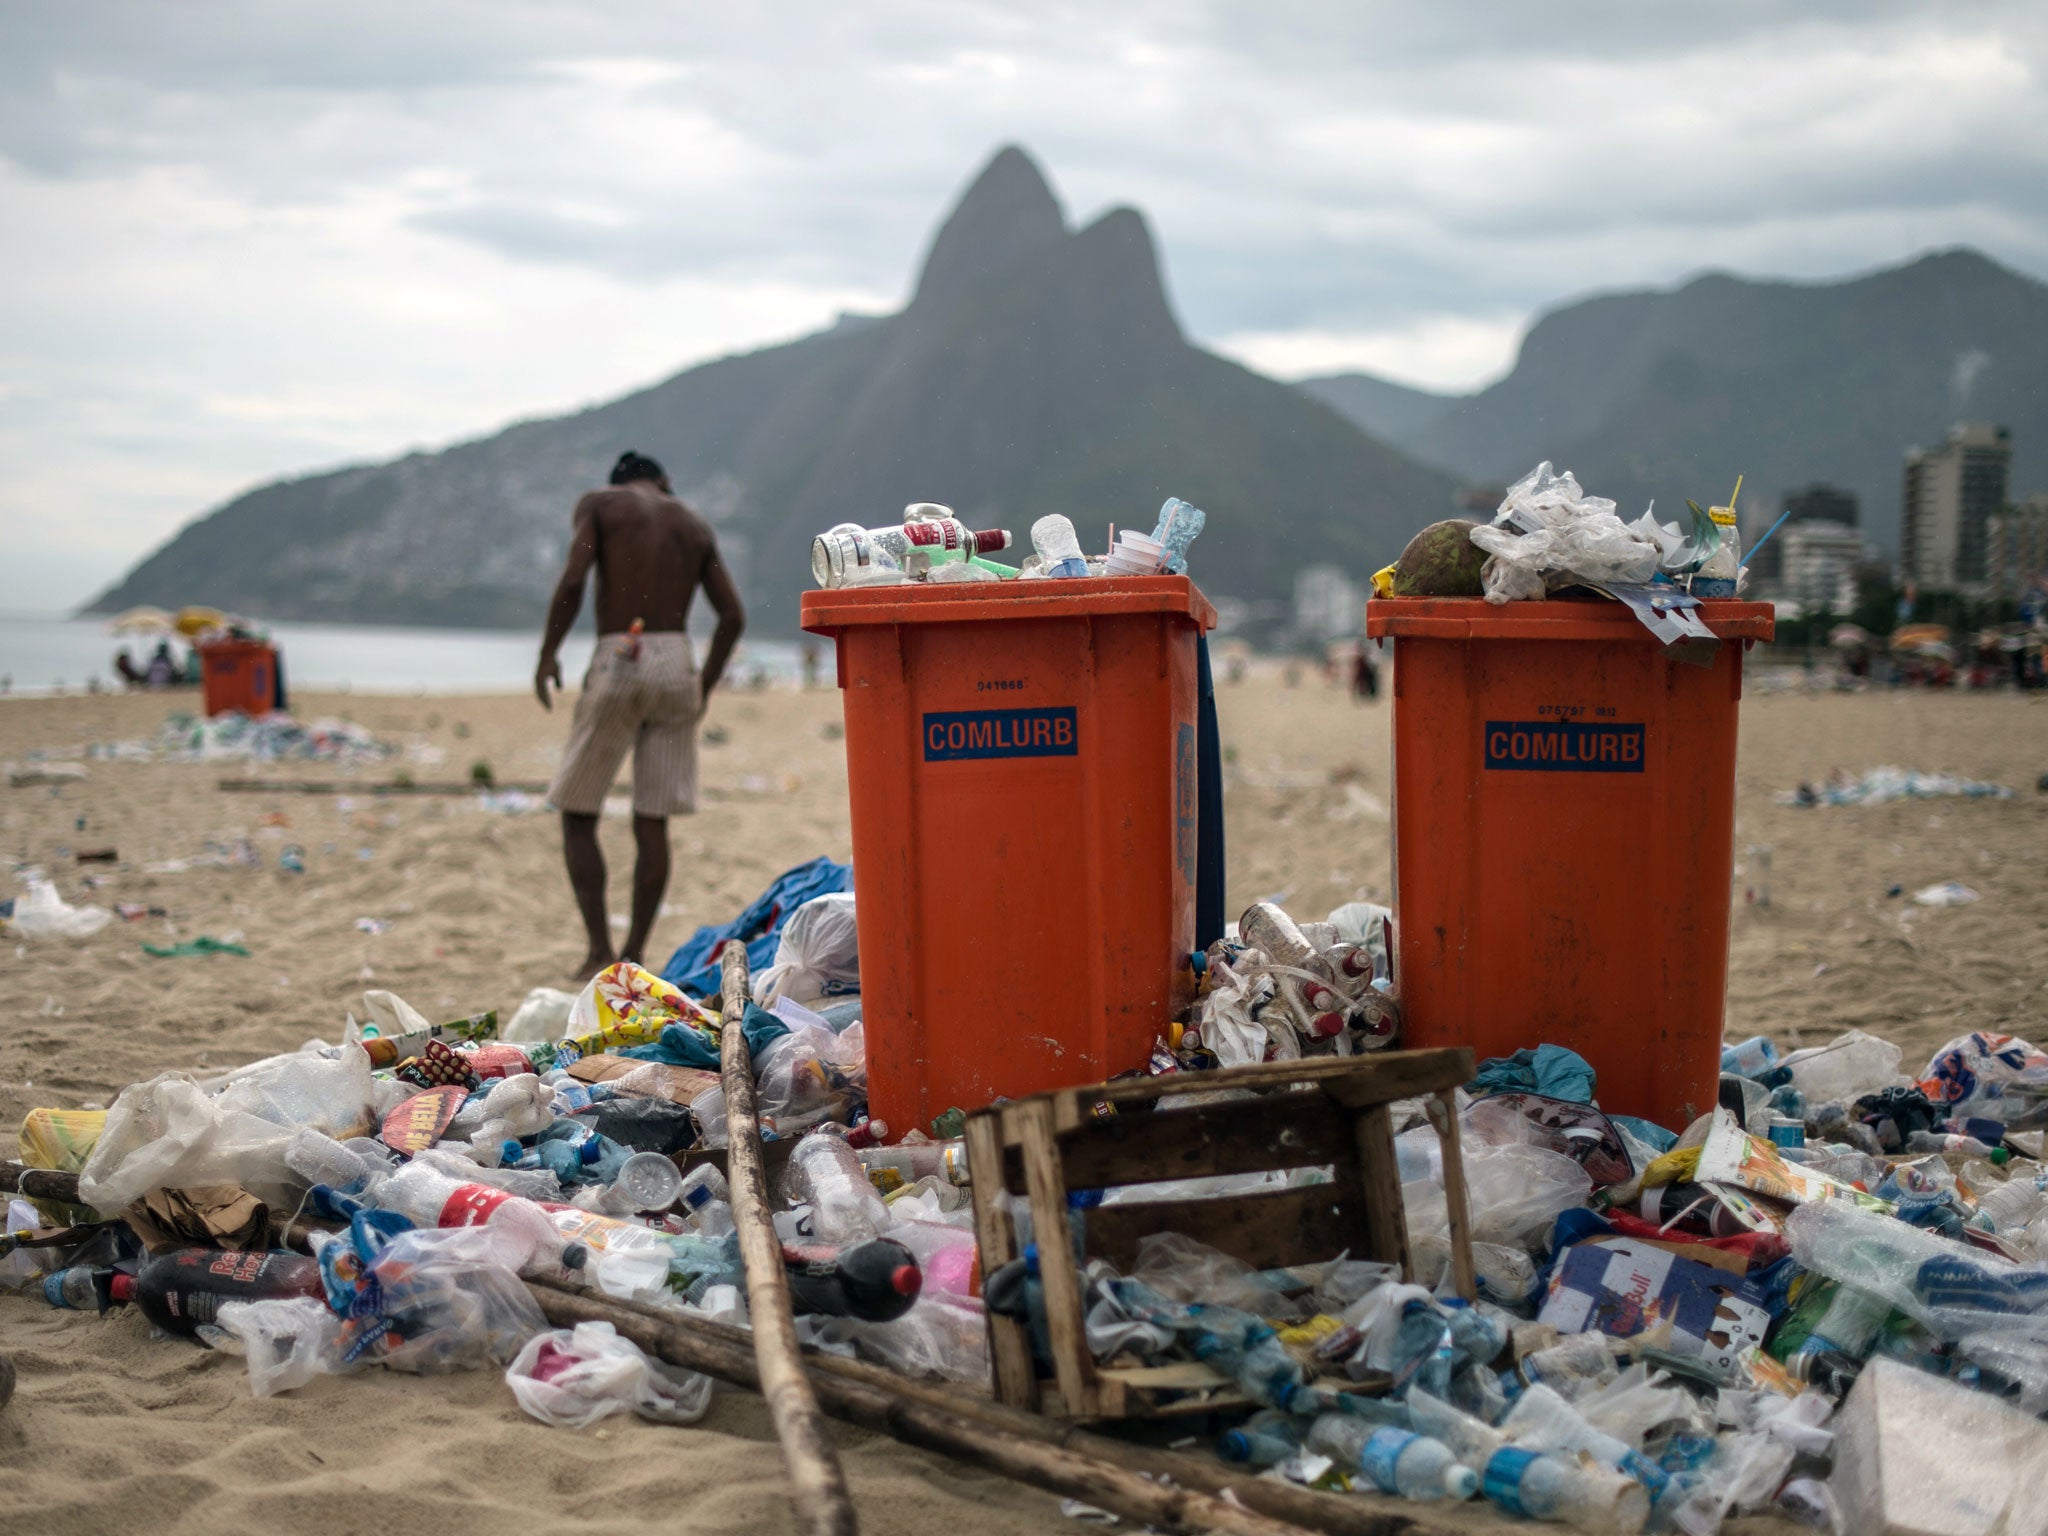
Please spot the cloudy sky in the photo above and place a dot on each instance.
(243, 239)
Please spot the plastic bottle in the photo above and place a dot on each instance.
(182, 1291)
(826, 1174)
(707, 1199)
(1179, 523)
(1577, 1362)
(1545, 1487)
(2013, 1204)
(428, 1197)
(850, 555)
(319, 1159)
(1948, 1141)
(1541, 1420)
(921, 1160)
(1749, 1058)
(1307, 990)
(80, 1287)
(1411, 1465)
(1266, 1439)
(1723, 568)
(877, 1280)
(1256, 1360)
(1057, 545)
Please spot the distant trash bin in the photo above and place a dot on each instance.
(239, 675)
(1021, 761)
(1564, 801)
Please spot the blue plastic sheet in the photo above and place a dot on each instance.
(694, 965)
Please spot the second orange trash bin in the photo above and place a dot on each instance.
(1021, 761)
(1564, 800)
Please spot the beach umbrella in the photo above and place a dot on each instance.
(1846, 637)
(193, 622)
(142, 621)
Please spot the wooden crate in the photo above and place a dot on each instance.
(1325, 1111)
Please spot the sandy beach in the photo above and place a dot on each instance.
(110, 1428)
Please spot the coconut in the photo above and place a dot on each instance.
(1440, 561)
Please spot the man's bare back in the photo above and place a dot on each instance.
(651, 554)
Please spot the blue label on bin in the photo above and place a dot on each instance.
(1566, 746)
(969, 733)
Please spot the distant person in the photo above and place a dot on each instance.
(643, 690)
(125, 668)
(163, 667)
(1365, 677)
(810, 666)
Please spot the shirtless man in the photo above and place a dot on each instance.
(642, 691)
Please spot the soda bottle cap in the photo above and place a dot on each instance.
(906, 1280)
(1326, 1025)
(122, 1287)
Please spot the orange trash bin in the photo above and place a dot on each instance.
(238, 675)
(1564, 803)
(1021, 766)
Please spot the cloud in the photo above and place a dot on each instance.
(245, 239)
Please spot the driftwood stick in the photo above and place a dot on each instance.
(39, 1183)
(817, 1486)
(843, 1385)
(941, 1426)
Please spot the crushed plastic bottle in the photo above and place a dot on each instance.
(826, 1174)
(1396, 1460)
(1179, 524)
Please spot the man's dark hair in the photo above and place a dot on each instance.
(635, 466)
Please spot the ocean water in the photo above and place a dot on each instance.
(43, 654)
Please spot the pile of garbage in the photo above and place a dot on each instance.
(236, 737)
(933, 545)
(1881, 786)
(1672, 1324)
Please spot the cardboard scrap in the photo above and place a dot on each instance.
(1624, 1286)
(207, 1216)
(644, 1079)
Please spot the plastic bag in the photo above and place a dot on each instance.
(818, 954)
(1515, 1193)
(1999, 1077)
(430, 1300)
(167, 1134)
(42, 914)
(544, 1016)
(1549, 533)
(941, 1336)
(1852, 1063)
(808, 1075)
(60, 1138)
(1182, 1269)
(287, 1341)
(573, 1377)
(331, 1094)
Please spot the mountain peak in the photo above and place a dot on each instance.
(1006, 212)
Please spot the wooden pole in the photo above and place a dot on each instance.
(817, 1486)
